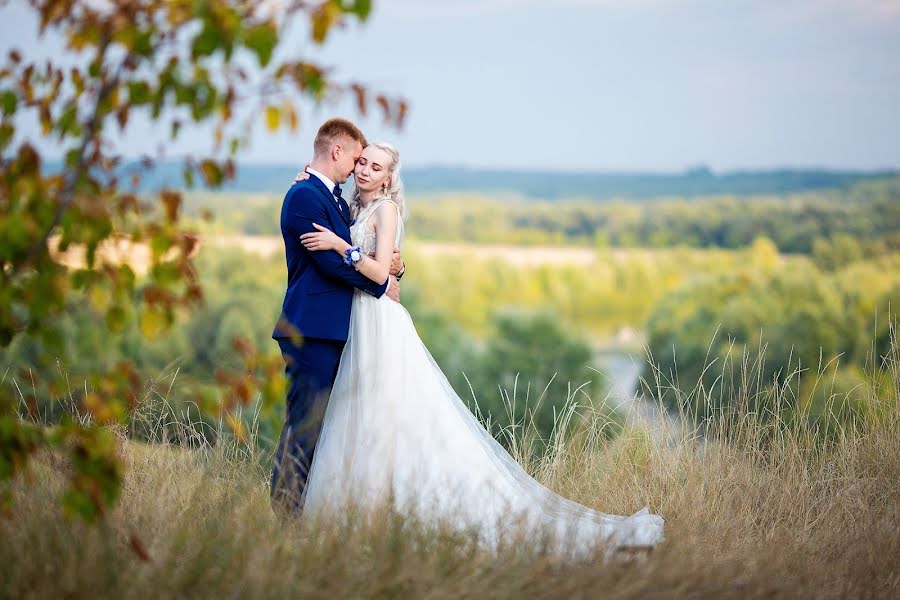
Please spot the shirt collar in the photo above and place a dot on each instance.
(328, 183)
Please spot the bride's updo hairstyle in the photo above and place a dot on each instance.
(393, 187)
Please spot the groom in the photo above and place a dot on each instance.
(315, 316)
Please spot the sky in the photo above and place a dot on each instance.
(603, 85)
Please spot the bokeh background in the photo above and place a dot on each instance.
(599, 191)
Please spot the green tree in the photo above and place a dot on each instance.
(177, 63)
(789, 326)
(529, 367)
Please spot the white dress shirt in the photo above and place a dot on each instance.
(328, 183)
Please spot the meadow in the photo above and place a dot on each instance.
(753, 509)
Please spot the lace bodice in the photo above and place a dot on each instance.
(362, 233)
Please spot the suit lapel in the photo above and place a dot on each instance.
(344, 213)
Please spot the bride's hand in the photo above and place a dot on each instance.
(323, 239)
(301, 176)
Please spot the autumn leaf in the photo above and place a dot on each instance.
(273, 117)
(291, 114)
(322, 19)
(171, 203)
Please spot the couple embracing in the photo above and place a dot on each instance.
(371, 419)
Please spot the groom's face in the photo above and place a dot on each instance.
(346, 159)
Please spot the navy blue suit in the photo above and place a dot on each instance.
(316, 307)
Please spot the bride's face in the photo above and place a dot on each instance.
(372, 169)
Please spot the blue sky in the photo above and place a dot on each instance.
(656, 85)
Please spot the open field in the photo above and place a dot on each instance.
(758, 518)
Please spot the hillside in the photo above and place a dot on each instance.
(596, 185)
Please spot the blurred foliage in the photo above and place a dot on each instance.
(833, 225)
(93, 340)
(514, 360)
(868, 212)
(176, 64)
(616, 288)
(522, 374)
(814, 335)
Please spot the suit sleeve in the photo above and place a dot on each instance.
(302, 211)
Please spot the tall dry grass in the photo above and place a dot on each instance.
(754, 507)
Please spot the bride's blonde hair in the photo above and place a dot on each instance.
(394, 187)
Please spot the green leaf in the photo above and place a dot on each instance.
(8, 102)
(185, 93)
(205, 43)
(116, 318)
(188, 175)
(78, 504)
(6, 133)
(362, 8)
(262, 39)
(72, 157)
(138, 92)
(18, 440)
(68, 120)
(143, 42)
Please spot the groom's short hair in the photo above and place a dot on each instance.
(333, 131)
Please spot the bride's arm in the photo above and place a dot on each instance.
(376, 269)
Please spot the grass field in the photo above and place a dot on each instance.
(753, 508)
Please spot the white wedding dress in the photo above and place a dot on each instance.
(394, 429)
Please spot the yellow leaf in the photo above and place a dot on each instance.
(273, 116)
(98, 297)
(153, 322)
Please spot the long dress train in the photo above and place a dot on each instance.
(395, 428)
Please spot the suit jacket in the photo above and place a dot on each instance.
(320, 286)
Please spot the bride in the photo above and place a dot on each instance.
(395, 431)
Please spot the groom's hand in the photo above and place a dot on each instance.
(393, 290)
(396, 263)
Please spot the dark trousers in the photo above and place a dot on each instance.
(311, 368)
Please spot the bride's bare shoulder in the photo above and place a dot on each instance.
(387, 213)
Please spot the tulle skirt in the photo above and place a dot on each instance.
(395, 431)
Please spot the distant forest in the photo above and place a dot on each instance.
(695, 182)
(836, 224)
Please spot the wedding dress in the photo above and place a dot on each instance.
(395, 429)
